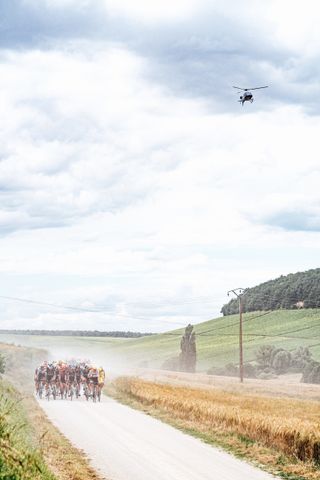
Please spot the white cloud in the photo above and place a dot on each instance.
(153, 11)
(116, 191)
(296, 24)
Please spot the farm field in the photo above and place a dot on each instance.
(288, 385)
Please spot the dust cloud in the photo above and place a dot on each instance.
(95, 350)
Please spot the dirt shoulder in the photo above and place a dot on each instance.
(64, 460)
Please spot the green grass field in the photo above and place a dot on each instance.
(217, 340)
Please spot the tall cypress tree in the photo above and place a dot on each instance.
(188, 354)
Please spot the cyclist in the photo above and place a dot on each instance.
(102, 377)
(62, 375)
(84, 379)
(40, 377)
(78, 378)
(71, 376)
(93, 378)
(35, 378)
(50, 378)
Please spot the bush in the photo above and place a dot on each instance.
(172, 363)
(266, 376)
(311, 373)
(229, 370)
(264, 356)
(232, 370)
(300, 357)
(249, 370)
(281, 361)
(268, 370)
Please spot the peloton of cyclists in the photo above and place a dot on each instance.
(66, 379)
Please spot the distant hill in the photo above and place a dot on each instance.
(296, 290)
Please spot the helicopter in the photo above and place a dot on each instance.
(247, 95)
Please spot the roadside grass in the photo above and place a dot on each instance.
(62, 459)
(279, 435)
(19, 460)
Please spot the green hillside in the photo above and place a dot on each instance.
(283, 292)
(217, 340)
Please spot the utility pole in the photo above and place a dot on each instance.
(239, 292)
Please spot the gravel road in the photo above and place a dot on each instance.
(125, 444)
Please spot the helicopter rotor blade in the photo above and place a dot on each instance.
(239, 88)
(258, 88)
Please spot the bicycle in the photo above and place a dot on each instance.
(71, 391)
(77, 390)
(86, 391)
(47, 391)
(99, 391)
(40, 389)
(54, 391)
(96, 394)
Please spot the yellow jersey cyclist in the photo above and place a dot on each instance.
(101, 377)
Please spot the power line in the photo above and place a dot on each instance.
(222, 327)
(302, 329)
(233, 324)
(283, 334)
(100, 309)
(83, 310)
(103, 307)
(261, 335)
(191, 300)
(36, 302)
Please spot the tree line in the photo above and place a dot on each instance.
(296, 290)
(78, 333)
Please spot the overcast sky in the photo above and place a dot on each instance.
(133, 185)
